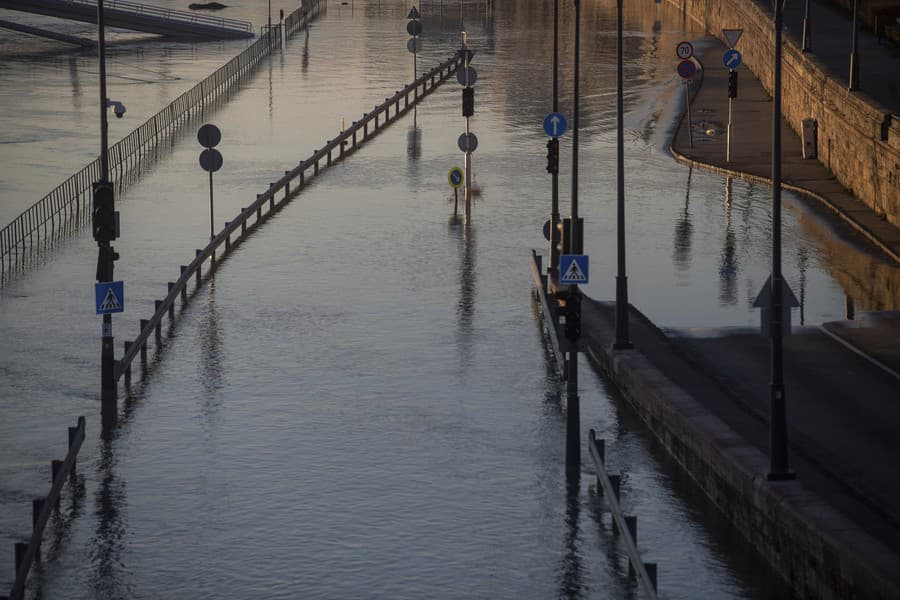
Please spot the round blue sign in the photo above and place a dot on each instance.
(731, 59)
(555, 124)
(455, 177)
(687, 69)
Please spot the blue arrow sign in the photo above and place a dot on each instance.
(731, 59)
(573, 268)
(555, 124)
(110, 297)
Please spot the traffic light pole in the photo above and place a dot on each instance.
(553, 266)
(108, 389)
(623, 338)
(731, 74)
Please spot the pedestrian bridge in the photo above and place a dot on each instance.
(137, 17)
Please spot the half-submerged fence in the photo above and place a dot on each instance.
(27, 553)
(268, 203)
(68, 207)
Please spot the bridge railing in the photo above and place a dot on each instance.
(67, 207)
(253, 216)
(168, 13)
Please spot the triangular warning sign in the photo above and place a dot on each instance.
(573, 274)
(110, 302)
(413, 14)
(732, 36)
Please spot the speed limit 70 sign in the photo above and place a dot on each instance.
(684, 50)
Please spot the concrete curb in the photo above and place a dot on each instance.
(794, 188)
(814, 547)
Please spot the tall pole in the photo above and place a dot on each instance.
(553, 267)
(573, 408)
(854, 50)
(806, 40)
(468, 163)
(108, 389)
(778, 452)
(623, 341)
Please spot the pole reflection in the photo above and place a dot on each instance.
(108, 576)
(728, 264)
(571, 572)
(465, 307)
(684, 229)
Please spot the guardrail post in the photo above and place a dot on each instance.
(197, 253)
(128, 346)
(73, 433)
(184, 287)
(227, 237)
(651, 572)
(287, 185)
(631, 524)
(157, 304)
(272, 197)
(144, 323)
(616, 482)
(171, 286)
(37, 505)
(316, 166)
(244, 222)
(21, 549)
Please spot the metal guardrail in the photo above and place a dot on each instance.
(168, 13)
(345, 143)
(626, 525)
(27, 553)
(66, 208)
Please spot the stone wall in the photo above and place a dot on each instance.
(858, 139)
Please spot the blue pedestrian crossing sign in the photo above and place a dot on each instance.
(110, 297)
(555, 124)
(573, 268)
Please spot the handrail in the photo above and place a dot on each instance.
(168, 13)
(61, 472)
(611, 493)
(193, 269)
(66, 207)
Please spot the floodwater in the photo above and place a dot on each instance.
(361, 403)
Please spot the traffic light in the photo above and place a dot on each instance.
(732, 84)
(573, 316)
(553, 156)
(103, 215)
(105, 259)
(468, 101)
(564, 229)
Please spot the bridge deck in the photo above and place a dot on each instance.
(137, 17)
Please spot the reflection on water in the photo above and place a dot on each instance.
(571, 584)
(728, 264)
(681, 254)
(109, 578)
(465, 306)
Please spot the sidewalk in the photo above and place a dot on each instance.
(751, 145)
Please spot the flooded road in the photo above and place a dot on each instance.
(360, 403)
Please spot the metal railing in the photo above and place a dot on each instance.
(336, 149)
(66, 208)
(625, 525)
(27, 553)
(168, 13)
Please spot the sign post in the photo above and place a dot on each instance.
(211, 161)
(455, 176)
(732, 60)
(687, 69)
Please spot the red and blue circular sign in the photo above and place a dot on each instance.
(687, 69)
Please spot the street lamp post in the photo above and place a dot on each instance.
(573, 409)
(806, 40)
(854, 50)
(778, 450)
(622, 338)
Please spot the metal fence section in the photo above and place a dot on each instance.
(27, 553)
(625, 525)
(268, 203)
(67, 208)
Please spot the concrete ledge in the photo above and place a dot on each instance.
(817, 549)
